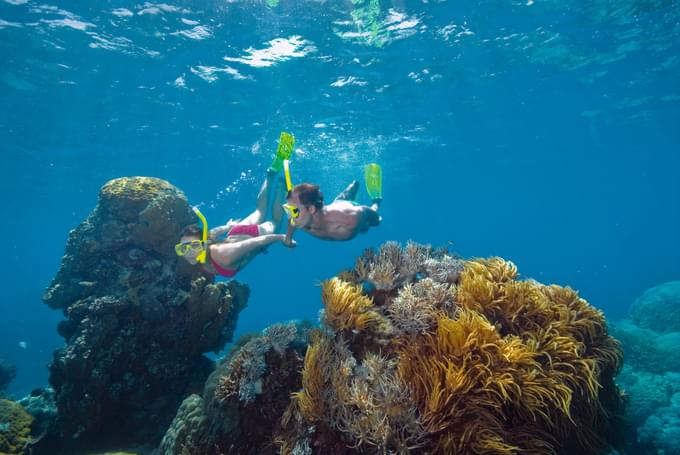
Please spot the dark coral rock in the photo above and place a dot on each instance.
(137, 318)
(41, 406)
(7, 373)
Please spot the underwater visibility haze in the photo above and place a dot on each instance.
(544, 132)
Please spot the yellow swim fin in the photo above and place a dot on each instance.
(283, 152)
(373, 179)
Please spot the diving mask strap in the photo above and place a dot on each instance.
(201, 257)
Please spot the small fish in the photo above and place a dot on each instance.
(23, 345)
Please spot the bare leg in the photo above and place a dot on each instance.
(279, 200)
(266, 228)
(262, 204)
(271, 227)
(349, 193)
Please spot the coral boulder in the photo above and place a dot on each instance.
(137, 319)
(658, 308)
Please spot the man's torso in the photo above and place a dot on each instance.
(341, 221)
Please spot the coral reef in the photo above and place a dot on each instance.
(137, 319)
(15, 428)
(648, 350)
(7, 373)
(475, 361)
(40, 404)
(646, 393)
(651, 377)
(658, 308)
(244, 398)
(391, 267)
(662, 429)
(418, 352)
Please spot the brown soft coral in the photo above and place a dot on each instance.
(346, 307)
(469, 381)
(478, 362)
(315, 378)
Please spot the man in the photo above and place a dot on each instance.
(342, 219)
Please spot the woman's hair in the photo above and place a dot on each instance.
(192, 231)
(309, 195)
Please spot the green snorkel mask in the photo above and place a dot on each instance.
(183, 248)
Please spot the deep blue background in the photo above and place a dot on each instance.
(544, 133)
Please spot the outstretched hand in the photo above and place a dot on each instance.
(291, 244)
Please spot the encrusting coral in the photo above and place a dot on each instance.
(15, 428)
(476, 362)
(650, 337)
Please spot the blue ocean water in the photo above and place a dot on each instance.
(545, 132)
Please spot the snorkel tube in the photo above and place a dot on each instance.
(286, 173)
(289, 187)
(201, 257)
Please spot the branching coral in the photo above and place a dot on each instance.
(378, 411)
(415, 308)
(280, 336)
(392, 266)
(248, 364)
(365, 401)
(444, 269)
(242, 404)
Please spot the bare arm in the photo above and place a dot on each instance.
(236, 251)
(288, 241)
(219, 230)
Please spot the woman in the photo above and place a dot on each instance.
(244, 240)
